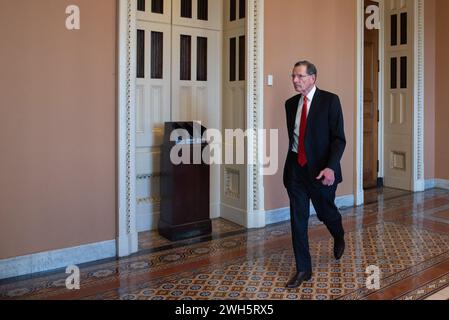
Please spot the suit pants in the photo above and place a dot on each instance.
(302, 188)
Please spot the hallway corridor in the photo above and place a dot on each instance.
(406, 236)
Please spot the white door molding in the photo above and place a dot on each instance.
(127, 239)
(126, 169)
(358, 177)
(255, 110)
(418, 118)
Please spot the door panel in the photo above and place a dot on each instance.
(195, 99)
(399, 99)
(153, 90)
(213, 19)
(234, 177)
(198, 99)
(162, 96)
(152, 110)
(154, 10)
(370, 105)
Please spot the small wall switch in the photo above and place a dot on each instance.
(270, 80)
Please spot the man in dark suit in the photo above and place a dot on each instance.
(312, 168)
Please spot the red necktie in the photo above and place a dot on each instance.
(302, 158)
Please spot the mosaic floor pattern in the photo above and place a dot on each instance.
(406, 237)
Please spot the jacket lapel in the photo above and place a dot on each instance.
(293, 109)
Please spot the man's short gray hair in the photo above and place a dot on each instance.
(311, 69)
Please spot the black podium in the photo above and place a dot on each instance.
(184, 187)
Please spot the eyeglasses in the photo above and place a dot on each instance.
(300, 76)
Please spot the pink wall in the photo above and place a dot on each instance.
(57, 126)
(324, 32)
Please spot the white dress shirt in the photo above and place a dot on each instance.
(298, 117)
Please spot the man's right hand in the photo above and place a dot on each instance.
(328, 177)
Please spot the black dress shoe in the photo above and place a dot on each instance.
(298, 278)
(339, 248)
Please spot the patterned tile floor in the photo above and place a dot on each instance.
(405, 236)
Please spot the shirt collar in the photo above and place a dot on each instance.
(311, 93)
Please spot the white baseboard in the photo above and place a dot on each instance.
(360, 199)
(50, 260)
(215, 210)
(241, 217)
(429, 184)
(256, 220)
(277, 215)
(233, 214)
(419, 186)
(345, 201)
(128, 244)
(437, 183)
(442, 183)
(147, 222)
(283, 214)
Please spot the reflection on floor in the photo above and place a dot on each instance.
(380, 194)
(152, 240)
(406, 237)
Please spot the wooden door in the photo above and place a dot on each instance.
(370, 105)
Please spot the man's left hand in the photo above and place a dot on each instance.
(328, 177)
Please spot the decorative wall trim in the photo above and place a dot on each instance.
(277, 215)
(358, 177)
(232, 183)
(382, 82)
(283, 214)
(418, 136)
(345, 201)
(234, 214)
(239, 216)
(149, 200)
(257, 219)
(441, 183)
(437, 183)
(148, 176)
(215, 210)
(127, 232)
(54, 259)
(429, 184)
(255, 83)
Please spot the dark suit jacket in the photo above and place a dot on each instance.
(325, 138)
